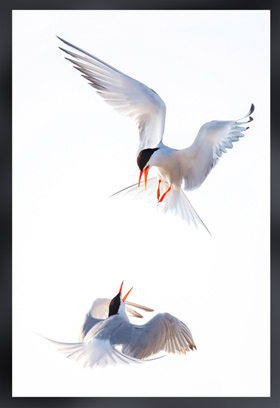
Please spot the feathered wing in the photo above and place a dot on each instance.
(174, 202)
(94, 353)
(145, 308)
(163, 332)
(88, 323)
(212, 140)
(125, 94)
(100, 308)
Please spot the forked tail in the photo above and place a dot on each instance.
(175, 201)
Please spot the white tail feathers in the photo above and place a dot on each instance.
(96, 353)
(175, 201)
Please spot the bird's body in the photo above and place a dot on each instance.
(100, 336)
(167, 163)
(176, 169)
(114, 328)
(189, 166)
(99, 313)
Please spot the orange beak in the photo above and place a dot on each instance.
(145, 171)
(120, 291)
(124, 298)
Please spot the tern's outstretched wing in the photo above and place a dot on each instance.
(95, 353)
(99, 311)
(163, 332)
(127, 95)
(212, 140)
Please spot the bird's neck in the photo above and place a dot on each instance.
(122, 311)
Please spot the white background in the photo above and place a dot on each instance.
(71, 244)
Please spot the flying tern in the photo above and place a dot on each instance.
(177, 170)
(107, 327)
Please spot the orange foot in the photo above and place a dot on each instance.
(164, 194)
(158, 189)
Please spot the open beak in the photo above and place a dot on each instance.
(120, 292)
(145, 171)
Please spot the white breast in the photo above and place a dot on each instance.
(166, 161)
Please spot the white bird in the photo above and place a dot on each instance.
(175, 168)
(104, 330)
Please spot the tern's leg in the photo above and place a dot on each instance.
(158, 189)
(164, 194)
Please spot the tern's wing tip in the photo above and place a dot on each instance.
(61, 39)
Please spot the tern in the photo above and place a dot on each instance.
(107, 327)
(177, 170)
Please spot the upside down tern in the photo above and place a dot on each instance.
(107, 326)
(188, 167)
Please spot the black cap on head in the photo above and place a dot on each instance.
(115, 305)
(144, 156)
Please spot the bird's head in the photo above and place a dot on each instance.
(143, 161)
(117, 304)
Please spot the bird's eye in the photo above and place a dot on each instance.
(112, 302)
